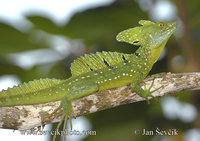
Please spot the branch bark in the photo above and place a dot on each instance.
(30, 116)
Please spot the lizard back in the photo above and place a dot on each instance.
(97, 61)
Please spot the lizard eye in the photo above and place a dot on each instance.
(161, 25)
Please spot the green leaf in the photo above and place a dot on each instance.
(12, 40)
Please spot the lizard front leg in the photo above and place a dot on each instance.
(146, 93)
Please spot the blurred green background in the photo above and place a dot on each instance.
(45, 49)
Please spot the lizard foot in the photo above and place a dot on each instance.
(148, 93)
(68, 113)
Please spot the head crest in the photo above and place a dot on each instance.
(145, 22)
(132, 35)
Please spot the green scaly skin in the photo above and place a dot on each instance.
(105, 73)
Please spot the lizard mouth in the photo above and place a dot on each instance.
(172, 26)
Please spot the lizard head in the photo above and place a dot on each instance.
(149, 34)
(158, 33)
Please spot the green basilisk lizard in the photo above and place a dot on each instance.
(99, 71)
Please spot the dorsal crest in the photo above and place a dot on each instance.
(99, 60)
(30, 87)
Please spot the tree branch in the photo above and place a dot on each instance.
(30, 116)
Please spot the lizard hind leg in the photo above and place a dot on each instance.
(81, 90)
(58, 126)
(67, 113)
